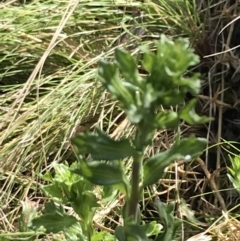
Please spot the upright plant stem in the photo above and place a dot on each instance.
(135, 192)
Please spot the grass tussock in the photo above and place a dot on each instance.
(49, 51)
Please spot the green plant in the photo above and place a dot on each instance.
(234, 172)
(39, 114)
(143, 100)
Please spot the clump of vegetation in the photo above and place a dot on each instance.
(141, 99)
(49, 92)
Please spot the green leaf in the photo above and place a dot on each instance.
(83, 201)
(103, 235)
(101, 146)
(54, 219)
(188, 148)
(166, 120)
(108, 71)
(152, 228)
(154, 167)
(101, 173)
(128, 93)
(131, 229)
(235, 172)
(54, 191)
(108, 193)
(191, 84)
(74, 233)
(109, 76)
(47, 177)
(125, 61)
(170, 224)
(128, 67)
(148, 60)
(120, 233)
(235, 182)
(188, 114)
(136, 231)
(185, 149)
